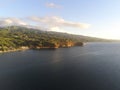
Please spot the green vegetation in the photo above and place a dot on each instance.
(16, 37)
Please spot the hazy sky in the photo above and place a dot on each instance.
(99, 18)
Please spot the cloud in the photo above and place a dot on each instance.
(12, 21)
(57, 29)
(52, 5)
(55, 21)
(52, 23)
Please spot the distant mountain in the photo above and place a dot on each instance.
(16, 37)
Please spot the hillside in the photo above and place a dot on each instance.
(16, 37)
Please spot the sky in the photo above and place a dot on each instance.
(96, 18)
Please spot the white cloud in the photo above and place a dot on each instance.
(55, 21)
(53, 5)
(52, 23)
(57, 29)
(12, 21)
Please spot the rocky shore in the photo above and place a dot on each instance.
(39, 48)
(13, 50)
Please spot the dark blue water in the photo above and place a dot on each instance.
(96, 66)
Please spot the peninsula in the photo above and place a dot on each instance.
(20, 38)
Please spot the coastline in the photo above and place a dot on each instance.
(40, 48)
(14, 50)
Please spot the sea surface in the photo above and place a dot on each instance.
(95, 66)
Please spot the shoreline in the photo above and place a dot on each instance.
(14, 50)
(27, 48)
(37, 48)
